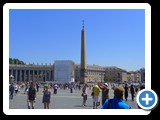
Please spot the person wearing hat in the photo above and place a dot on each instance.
(117, 102)
(105, 90)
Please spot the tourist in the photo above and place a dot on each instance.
(71, 87)
(126, 91)
(96, 91)
(132, 91)
(16, 88)
(11, 90)
(31, 96)
(37, 86)
(84, 95)
(46, 97)
(55, 87)
(117, 102)
(105, 91)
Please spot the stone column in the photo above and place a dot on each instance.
(33, 75)
(28, 75)
(24, 75)
(20, 75)
(49, 75)
(16, 75)
(45, 75)
(42, 75)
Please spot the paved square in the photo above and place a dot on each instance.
(62, 100)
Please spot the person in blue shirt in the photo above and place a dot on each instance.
(117, 102)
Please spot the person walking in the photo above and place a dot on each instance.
(46, 97)
(126, 91)
(31, 96)
(16, 88)
(37, 86)
(11, 90)
(71, 86)
(55, 87)
(132, 91)
(117, 102)
(84, 95)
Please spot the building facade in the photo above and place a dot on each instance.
(55, 73)
(31, 72)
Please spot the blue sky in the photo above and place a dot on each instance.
(114, 37)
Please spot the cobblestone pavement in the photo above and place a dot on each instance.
(62, 100)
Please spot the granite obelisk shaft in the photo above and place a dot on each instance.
(83, 55)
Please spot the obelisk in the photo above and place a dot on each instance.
(83, 56)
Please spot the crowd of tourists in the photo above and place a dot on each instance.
(121, 92)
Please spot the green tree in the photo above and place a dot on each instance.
(15, 61)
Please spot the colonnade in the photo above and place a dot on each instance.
(31, 74)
